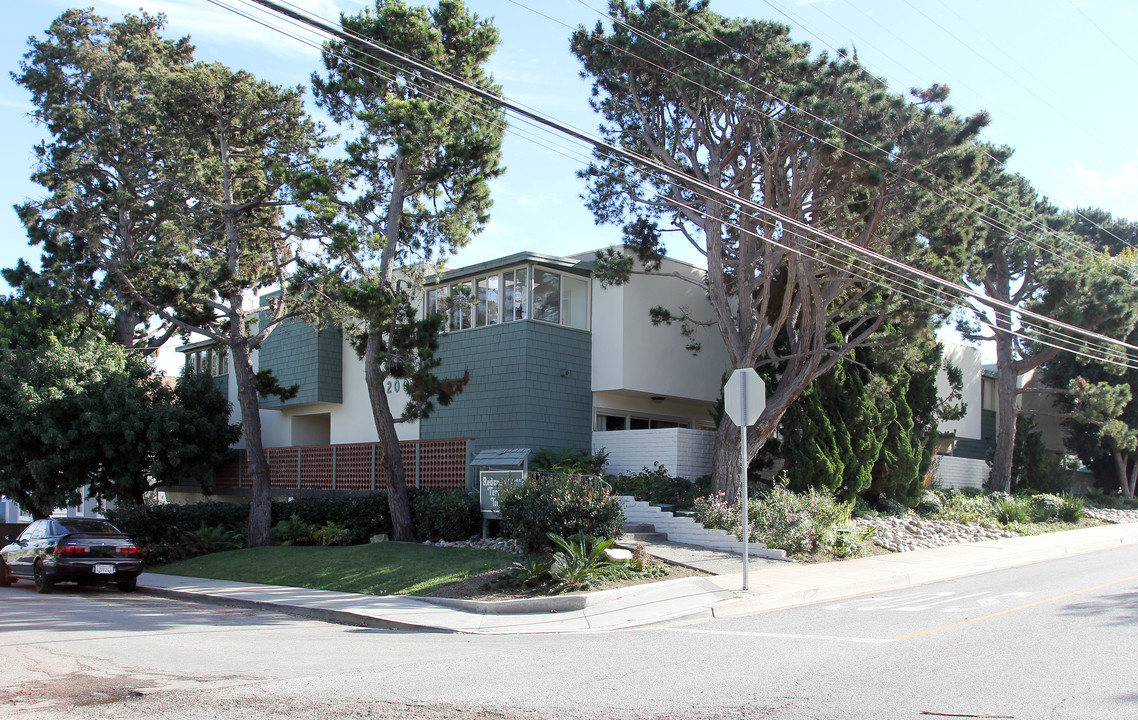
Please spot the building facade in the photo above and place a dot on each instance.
(555, 360)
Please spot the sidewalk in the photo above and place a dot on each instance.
(773, 585)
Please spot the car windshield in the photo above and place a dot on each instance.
(87, 525)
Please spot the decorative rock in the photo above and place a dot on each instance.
(901, 534)
(501, 544)
(618, 555)
(1112, 516)
(382, 537)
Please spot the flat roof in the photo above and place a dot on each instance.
(575, 265)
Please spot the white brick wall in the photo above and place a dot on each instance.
(686, 453)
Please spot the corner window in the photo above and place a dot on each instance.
(575, 302)
(546, 296)
(516, 297)
(507, 296)
(214, 361)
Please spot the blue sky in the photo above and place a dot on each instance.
(1057, 76)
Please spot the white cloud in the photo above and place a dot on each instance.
(206, 22)
(1116, 189)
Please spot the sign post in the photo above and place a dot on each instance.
(744, 399)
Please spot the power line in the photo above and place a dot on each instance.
(994, 202)
(901, 39)
(687, 181)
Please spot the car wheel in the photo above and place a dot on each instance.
(128, 585)
(44, 584)
(6, 578)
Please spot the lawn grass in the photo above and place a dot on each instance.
(391, 568)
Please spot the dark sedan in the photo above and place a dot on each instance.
(79, 550)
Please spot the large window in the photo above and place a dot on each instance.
(510, 295)
(609, 421)
(214, 360)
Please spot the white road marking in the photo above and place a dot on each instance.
(921, 601)
(783, 636)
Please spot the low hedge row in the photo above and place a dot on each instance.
(436, 514)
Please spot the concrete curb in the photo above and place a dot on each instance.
(559, 603)
(776, 586)
(337, 617)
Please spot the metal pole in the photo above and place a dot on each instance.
(743, 478)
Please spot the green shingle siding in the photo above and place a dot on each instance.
(295, 359)
(519, 394)
(221, 382)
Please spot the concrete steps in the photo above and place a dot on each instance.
(683, 530)
(641, 533)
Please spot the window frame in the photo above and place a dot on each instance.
(503, 285)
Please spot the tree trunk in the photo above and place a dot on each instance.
(399, 505)
(1129, 488)
(125, 323)
(1126, 477)
(1006, 377)
(260, 501)
(726, 468)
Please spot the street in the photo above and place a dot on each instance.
(1050, 640)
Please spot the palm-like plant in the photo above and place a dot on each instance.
(578, 564)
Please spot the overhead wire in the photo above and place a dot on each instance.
(803, 26)
(641, 161)
(1080, 329)
(594, 141)
(992, 201)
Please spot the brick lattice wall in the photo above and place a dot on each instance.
(439, 464)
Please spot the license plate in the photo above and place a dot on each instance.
(104, 569)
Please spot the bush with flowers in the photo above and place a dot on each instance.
(800, 523)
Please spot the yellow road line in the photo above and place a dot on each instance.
(1015, 609)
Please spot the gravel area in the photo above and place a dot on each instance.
(476, 541)
(1112, 516)
(898, 534)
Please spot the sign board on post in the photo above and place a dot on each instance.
(744, 396)
(744, 399)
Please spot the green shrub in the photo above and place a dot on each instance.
(965, 505)
(293, 531)
(656, 486)
(445, 514)
(1072, 510)
(331, 534)
(155, 525)
(569, 461)
(560, 504)
(892, 506)
(1045, 507)
(210, 539)
(529, 572)
(808, 522)
(1008, 509)
(849, 541)
(931, 503)
(715, 512)
(797, 522)
(363, 515)
(580, 563)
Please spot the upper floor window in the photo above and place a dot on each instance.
(515, 294)
(212, 360)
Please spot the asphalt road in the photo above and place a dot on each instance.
(1051, 640)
